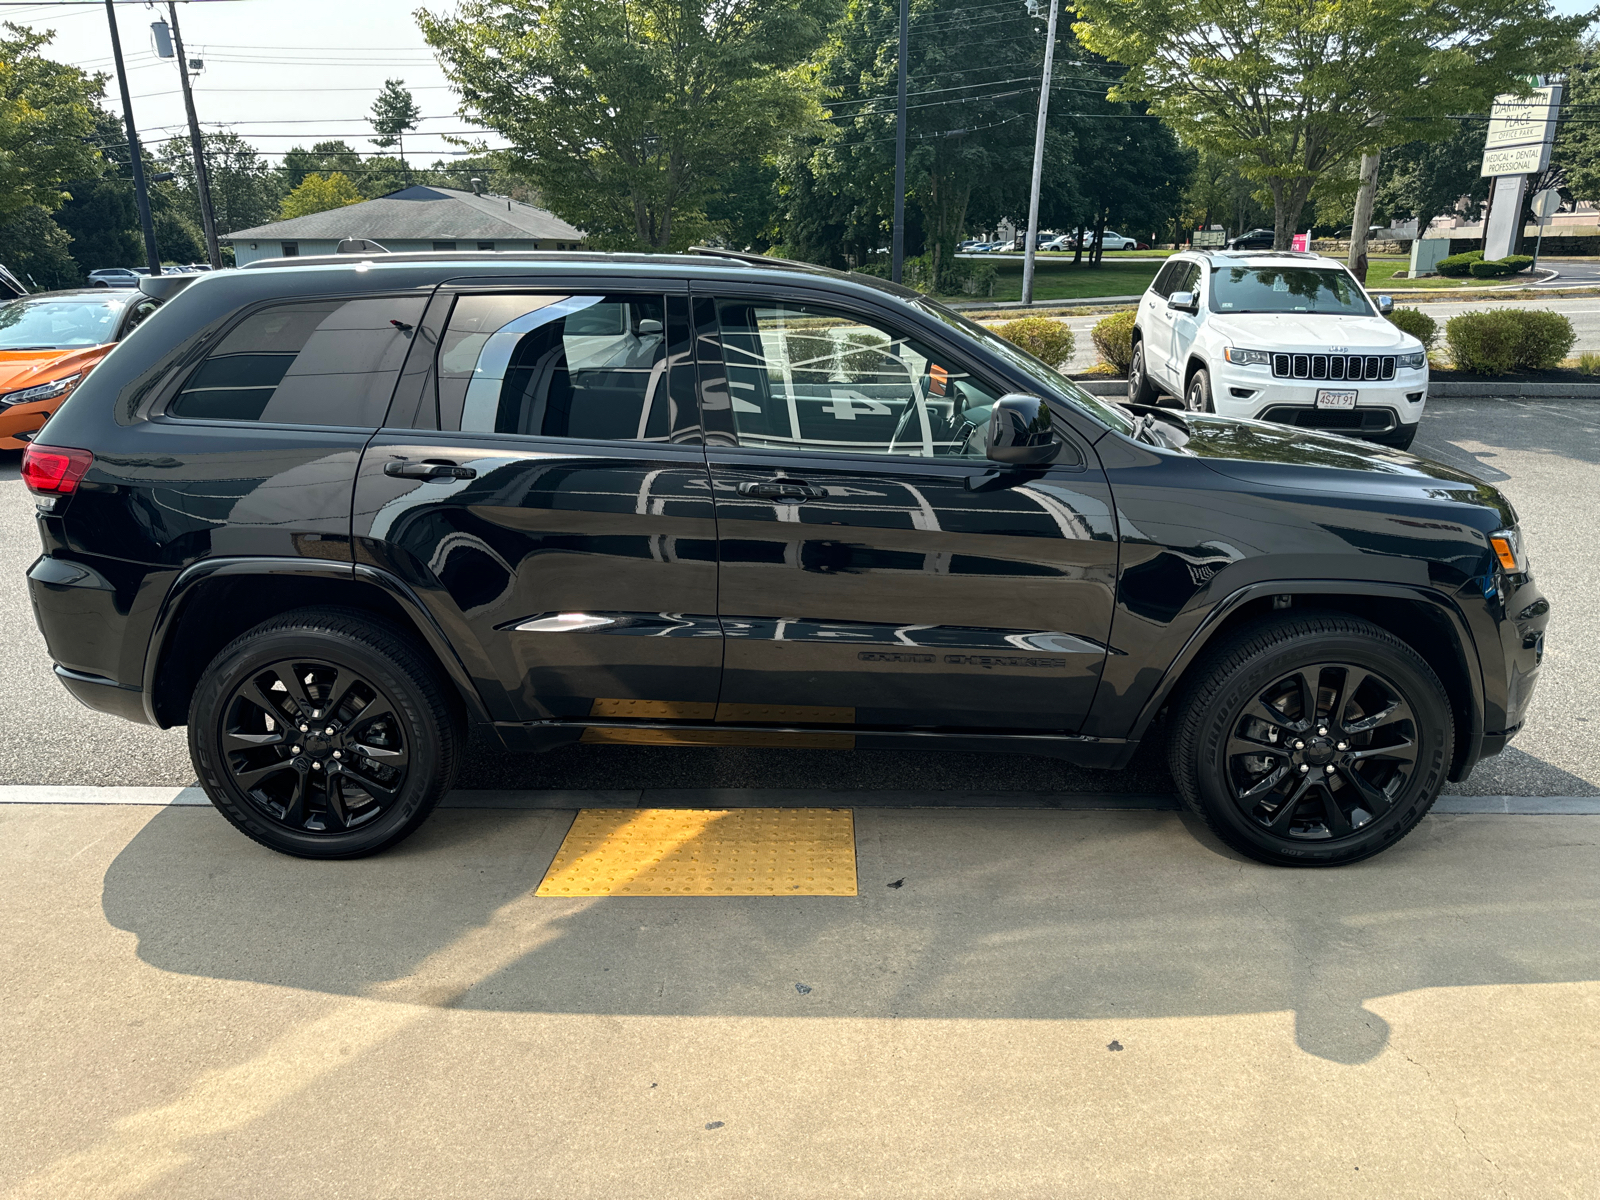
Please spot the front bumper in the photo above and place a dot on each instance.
(26, 418)
(1382, 407)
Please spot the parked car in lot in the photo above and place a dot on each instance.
(329, 514)
(1290, 338)
(117, 277)
(49, 342)
(1256, 239)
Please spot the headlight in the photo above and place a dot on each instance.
(44, 391)
(1246, 358)
(1413, 361)
(1511, 550)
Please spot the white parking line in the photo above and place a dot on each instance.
(193, 797)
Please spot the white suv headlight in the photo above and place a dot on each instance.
(1413, 361)
(1247, 357)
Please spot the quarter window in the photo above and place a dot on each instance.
(565, 366)
(322, 362)
(804, 377)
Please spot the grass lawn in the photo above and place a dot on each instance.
(1381, 272)
(1056, 279)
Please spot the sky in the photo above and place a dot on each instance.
(278, 72)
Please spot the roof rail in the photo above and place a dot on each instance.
(756, 260)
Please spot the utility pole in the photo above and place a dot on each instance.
(140, 193)
(1363, 215)
(898, 257)
(1032, 246)
(202, 179)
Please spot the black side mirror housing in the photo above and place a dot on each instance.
(1021, 431)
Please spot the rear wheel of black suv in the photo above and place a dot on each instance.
(1314, 740)
(323, 734)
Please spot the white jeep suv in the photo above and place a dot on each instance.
(1284, 337)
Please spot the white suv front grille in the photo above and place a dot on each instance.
(1333, 366)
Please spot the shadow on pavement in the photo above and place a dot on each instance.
(1002, 914)
(1561, 428)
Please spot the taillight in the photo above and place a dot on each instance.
(53, 470)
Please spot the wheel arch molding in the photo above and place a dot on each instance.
(1427, 620)
(216, 600)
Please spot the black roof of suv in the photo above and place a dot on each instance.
(331, 512)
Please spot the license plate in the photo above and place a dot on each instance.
(1331, 398)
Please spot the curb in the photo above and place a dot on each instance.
(564, 800)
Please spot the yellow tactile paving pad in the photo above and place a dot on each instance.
(686, 852)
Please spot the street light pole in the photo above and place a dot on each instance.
(1031, 248)
(202, 181)
(140, 193)
(898, 257)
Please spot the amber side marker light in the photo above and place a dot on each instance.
(1504, 551)
(53, 470)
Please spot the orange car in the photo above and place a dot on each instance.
(49, 342)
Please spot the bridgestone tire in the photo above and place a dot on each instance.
(1208, 709)
(369, 648)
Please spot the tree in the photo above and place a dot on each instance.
(1577, 149)
(319, 193)
(627, 117)
(245, 192)
(395, 113)
(35, 248)
(101, 217)
(1424, 180)
(46, 123)
(382, 174)
(1295, 88)
(1219, 193)
(322, 159)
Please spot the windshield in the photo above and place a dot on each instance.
(1287, 290)
(1107, 415)
(59, 322)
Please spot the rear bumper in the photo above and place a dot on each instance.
(104, 695)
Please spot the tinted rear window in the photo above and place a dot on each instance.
(319, 362)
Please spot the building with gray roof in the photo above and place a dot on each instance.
(414, 218)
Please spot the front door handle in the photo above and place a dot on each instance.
(782, 491)
(437, 470)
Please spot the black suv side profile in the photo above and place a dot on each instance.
(329, 512)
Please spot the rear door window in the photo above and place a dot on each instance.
(590, 367)
(317, 362)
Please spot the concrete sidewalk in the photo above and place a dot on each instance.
(1018, 1003)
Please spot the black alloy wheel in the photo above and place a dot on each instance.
(324, 734)
(315, 746)
(1311, 740)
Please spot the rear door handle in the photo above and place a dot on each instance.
(434, 469)
(782, 491)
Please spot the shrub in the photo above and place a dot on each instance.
(1518, 262)
(1049, 341)
(1458, 265)
(1113, 338)
(1497, 343)
(1491, 269)
(1418, 324)
(1589, 363)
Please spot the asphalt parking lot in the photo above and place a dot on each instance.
(1543, 454)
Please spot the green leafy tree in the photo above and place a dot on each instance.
(1131, 172)
(1295, 88)
(47, 123)
(1423, 180)
(1220, 193)
(319, 193)
(382, 174)
(245, 191)
(395, 113)
(969, 138)
(322, 159)
(36, 249)
(101, 218)
(627, 117)
(1577, 150)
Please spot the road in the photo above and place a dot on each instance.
(1543, 454)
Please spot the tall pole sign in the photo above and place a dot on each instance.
(1521, 130)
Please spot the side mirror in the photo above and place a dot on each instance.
(1020, 431)
(1183, 301)
(1385, 305)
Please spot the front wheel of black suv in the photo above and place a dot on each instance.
(1313, 740)
(323, 734)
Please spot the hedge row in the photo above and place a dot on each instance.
(1473, 263)
(1513, 339)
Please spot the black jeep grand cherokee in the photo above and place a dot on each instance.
(327, 512)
